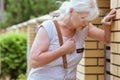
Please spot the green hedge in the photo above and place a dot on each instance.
(13, 48)
(22, 77)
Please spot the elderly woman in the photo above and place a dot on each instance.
(74, 23)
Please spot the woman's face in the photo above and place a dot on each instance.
(78, 19)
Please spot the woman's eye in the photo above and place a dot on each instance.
(82, 17)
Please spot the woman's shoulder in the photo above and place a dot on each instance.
(47, 22)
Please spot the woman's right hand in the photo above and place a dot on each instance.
(69, 46)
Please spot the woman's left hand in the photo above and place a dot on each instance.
(107, 20)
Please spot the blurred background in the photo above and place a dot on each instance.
(13, 46)
(17, 11)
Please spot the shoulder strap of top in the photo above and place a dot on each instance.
(60, 42)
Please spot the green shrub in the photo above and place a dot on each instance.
(22, 77)
(13, 54)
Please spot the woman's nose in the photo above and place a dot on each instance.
(86, 23)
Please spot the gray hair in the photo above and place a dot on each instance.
(89, 6)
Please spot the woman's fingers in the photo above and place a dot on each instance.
(107, 20)
(110, 17)
(113, 11)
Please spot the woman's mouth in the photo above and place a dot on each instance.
(83, 27)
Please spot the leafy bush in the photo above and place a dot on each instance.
(22, 77)
(13, 54)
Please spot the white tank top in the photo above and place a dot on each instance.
(55, 70)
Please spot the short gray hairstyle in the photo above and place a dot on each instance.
(89, 6)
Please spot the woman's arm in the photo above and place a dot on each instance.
(99, 34)
(106, 22)
(39, 54)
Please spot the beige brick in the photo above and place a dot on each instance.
(114, 69)
(103, 3)
(31, 40)
(111, 77)
(81, 62)
(88, 38)
(104, 11)
(117, 36)
(32, 26)
(80, 69)
(86, 77)
(32, 37)
(80, 76)
(116, 59)
(111, 68)
(118, 3)
(101, 77)
(112, 58)
(91, 77)
(90, 45)
(94, 53)
(118, 49)
(118, 14)
(94, 70)
(113, 4)
(119, 71)
(88, 61)
(112, 37)
(101, 61)
(114, 25)
(116, 78)
(101, 27)
(118, 24)
(97, 20)
(114, 47)
(100, 45)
